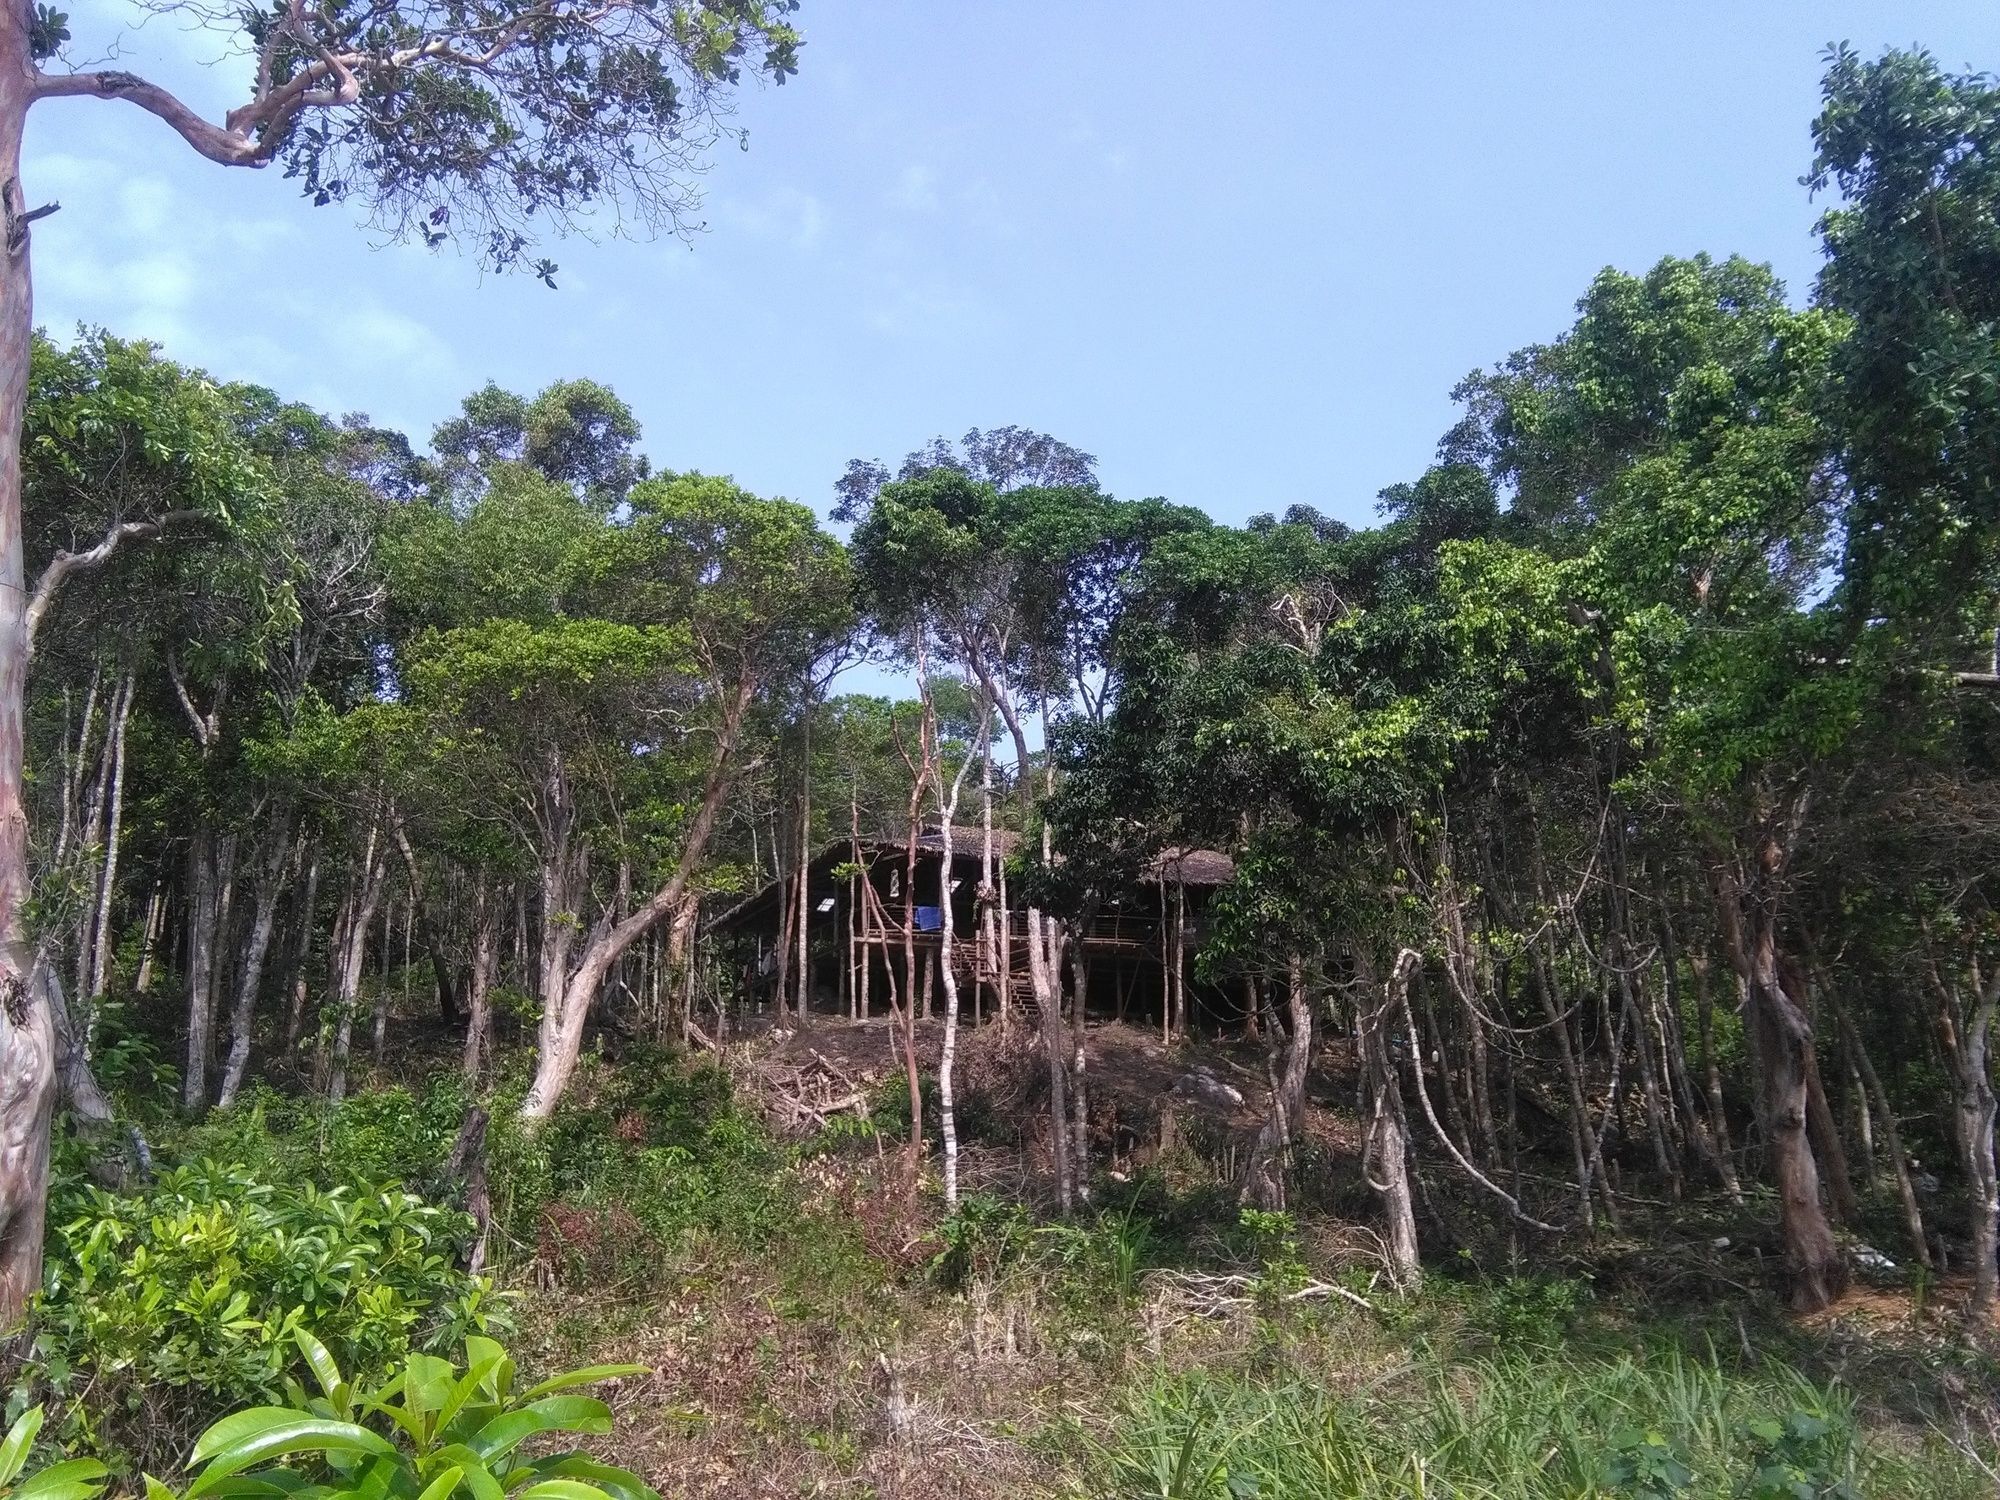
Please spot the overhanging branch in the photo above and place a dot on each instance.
(63, 564)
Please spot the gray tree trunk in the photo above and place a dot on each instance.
(250, 979)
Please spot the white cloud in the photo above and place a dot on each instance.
(145, 206)
(928, 309)
(383, 336)
(785, 216)
(149, 256)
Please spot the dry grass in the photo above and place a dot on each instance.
(826, 1363)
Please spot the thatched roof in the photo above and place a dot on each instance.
(1197, 867)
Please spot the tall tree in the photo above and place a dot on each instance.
(440, 121)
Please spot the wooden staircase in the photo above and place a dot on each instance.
(1021, 997)
(1019, 986)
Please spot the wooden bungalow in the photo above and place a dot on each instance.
(874, 909)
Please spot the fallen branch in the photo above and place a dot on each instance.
(1218, 1295)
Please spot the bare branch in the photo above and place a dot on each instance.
(63, 564)
(212, 141)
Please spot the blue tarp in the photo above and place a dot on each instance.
(930, 919)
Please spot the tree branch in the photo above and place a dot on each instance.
(204, 724)
(63, 564)
(212, 141)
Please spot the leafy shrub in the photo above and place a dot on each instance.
(372, 1137)
(1100, 1258)
(1646, 1466)
(438, 1431)
(1527, 1311)
(1799, 1457)
(174, 1304)
(978, 1240)
(656, 1155)
(126, 1061)
(1274, 1239)
(889, 1107)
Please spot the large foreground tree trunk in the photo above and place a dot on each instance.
(27, 1102)
(27, 1031)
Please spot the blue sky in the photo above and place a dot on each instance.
(1241, 253)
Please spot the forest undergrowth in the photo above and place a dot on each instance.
(812, 1322)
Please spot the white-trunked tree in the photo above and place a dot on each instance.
(482, 123)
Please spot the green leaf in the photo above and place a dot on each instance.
(377, 1479)
(483, 1357)
(443, 1485)
(74, 1479)
(299, 1434)
(239, 1427)
(589, 1375)
(263, 1485)
(621, 1484)
(427, 1383)
(550, 1414)
(20, 1438)
(483, 1353)
(325, 1371)
(561, 1489)
(476, 1479)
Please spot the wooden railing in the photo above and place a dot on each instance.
(1109, 927)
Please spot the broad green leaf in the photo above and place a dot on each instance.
(40, 1487)
(621, 1484)
(589, 1375)
(74, 1479)
(481, 1351)
(550, 1414)
(476, 1479)
(264, 1485)
(325, 1371)
(443, 1485)
(378, 1478)
(483, 1357)
(302, 1434)
(427, 1383)
(561, 1489)
(20, 1438)
(240, 1427)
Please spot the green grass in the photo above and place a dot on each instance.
(1541, 1425)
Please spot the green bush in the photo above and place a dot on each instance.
(431, 1432)
(978, 1240)
(376, 1136)
(1526, 1311)
(183, 1301)
(654, 1157)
